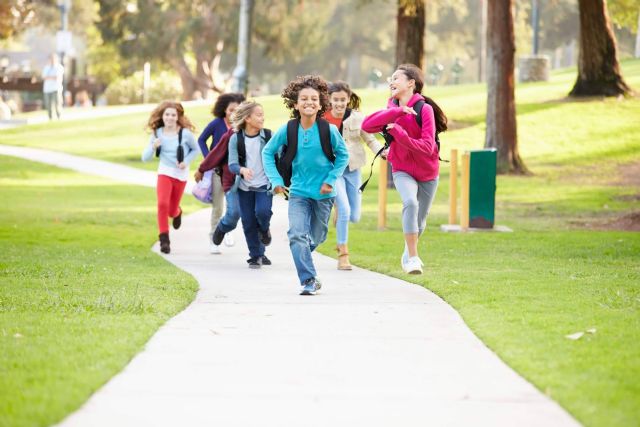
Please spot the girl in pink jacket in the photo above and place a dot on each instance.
(413, 154)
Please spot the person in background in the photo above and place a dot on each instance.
(173, 142)
(52, 77)
(222, 110)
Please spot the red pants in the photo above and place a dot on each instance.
(169, 194)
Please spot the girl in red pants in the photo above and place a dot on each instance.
(172, 141)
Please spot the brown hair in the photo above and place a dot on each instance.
(290, 93)
(414, 73)
(240, 114)
(340, 86)
(155, 119)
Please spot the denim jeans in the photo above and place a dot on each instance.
(308, 226)
(255, 210)
(229, 221)
(348, 201)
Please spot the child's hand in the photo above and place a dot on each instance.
(157, 143)
(326, 189)
(182, 165)
(281, 190)
(246, 173)
(391, 126)
(384, 153)
(408, 110)
(198, 176)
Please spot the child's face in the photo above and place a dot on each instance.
(399, 84)
(308, 102)
(339, 101)
(170, 117)
(256, 118)
(230, 109)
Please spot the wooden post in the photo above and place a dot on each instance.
(382, 195)
(464, 191)
(453, 187)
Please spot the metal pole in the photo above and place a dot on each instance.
(482, 40)
(535, 24)
(64, 24)
(637, 52)
(241, 72)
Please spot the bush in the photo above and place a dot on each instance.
(164, 85)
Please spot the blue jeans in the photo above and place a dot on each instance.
(348, 201)
(255, 210)
(229, 221)
(308, 226)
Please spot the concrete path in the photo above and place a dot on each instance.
(369, 350)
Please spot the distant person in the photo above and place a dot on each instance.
(413, 154)
(254, 195)
(313, 166)
(222, 110)
(52, 77)
(83, 100)
(345, 116)
(173, 142)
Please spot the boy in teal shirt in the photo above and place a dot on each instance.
(312, 190)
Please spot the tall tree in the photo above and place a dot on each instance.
(410, 32)
(501, 108)
(598, 68)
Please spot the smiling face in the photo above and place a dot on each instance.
(339, 101)
(308, 103)
(400, 84)
(256, 118)
(170, 117)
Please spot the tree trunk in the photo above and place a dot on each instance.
(501, 109)
(410, 32)
(189, 83)
(598, 69)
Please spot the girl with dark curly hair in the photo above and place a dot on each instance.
(413, 154)
(173, 142)
(222, 110)
(319, 157)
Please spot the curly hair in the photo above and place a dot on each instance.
(340, 86)
(155, 119)
(240, 114)
(290, 93)
(220, 107)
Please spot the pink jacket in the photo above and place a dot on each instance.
(413, 150)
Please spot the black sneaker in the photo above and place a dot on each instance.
(310, 286)
(265, 260)
(254, 262)
(218, 236)
(265, 237)
(177, 221)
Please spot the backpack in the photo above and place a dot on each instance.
(242, 148)
(284, 159)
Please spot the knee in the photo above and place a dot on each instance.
(355, 216)
(410, 204)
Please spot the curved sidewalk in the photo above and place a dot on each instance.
(369, 350)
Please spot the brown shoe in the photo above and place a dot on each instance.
(343, 258)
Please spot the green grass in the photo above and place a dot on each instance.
(521, 293)
(80, 291)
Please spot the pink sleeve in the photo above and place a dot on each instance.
(377, 121)
(426, 143)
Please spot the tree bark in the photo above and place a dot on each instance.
(410, 32)
(501, 109)
(598, 69)
(187, 78)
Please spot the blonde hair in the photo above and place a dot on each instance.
(240, 114)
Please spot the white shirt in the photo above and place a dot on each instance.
(254, 162)
(52, 85)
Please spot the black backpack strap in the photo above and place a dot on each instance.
(325, 139)
(242, 149)
(160, 146)
(364, 184)
(292, 142)
(347, 113)
(267, 134)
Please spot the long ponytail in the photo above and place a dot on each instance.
(438, 114)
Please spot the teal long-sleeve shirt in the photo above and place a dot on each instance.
(310, 168)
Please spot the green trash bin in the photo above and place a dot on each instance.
(482, 187)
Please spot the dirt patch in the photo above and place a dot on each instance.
(629, 175)
(627, 222)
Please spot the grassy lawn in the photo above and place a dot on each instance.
(563, 270)
(80, 290)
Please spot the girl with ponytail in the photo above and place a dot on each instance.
(345, 115)
(413, 154)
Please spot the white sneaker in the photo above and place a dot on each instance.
(413, 265)
(214, 249)
(228, 240)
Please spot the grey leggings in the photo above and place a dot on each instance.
(417, 197)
